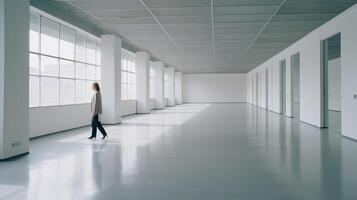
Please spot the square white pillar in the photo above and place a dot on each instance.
(159, 84)
(14, 78)
(178, 87)
(142, 64)
(111, 78)
(171, 86)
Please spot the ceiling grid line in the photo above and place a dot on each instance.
(259, 33)
(121, 35)
(161, 26)
(214, 36)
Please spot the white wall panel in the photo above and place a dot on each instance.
(262, 89)
(159, 84)
(310, 72)
(128, 107)
(111, 78)
(288, 97)
(46, 120)
(152, 104)
(178, 88)
(171, 86)
(249, 92)
(348, 76)
(142, 64)
(14, 79)
(214, 88)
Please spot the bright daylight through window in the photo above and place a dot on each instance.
(64, 62)
(128, 75)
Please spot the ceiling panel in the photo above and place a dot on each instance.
(197, 37)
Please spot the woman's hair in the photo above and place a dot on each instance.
(96, 86)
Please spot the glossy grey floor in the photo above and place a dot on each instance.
(193, 151)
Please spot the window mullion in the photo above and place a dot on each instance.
(60, 81)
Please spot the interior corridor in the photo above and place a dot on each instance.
(193, 151)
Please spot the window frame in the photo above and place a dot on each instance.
(128, 86)
(62, 24)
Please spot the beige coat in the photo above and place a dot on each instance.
(96, 104)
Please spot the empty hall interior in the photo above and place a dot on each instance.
(200, 99)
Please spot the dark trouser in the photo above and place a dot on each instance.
(96, 124)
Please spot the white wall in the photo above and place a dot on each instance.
(171, 86)
(142, 65)
(310, 97)
(214, 88)
(178, 87)
(111, 78)
(152, 104)
(128, 107)
(46, 120)
(348, 74)
(295, 82)
(165, 102)
(14, 79)
(159, 84)
(334, 84)
(310, 72)
(262, 91)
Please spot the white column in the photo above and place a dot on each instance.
(111, 78)
(159, 84)
(171, 86)
(178, 87)
(14, 78)
(142, 64)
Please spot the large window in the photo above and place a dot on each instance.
(128, 75)
(64, 62)
(152, 81)
(166, 86)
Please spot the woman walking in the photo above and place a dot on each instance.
(96, 110)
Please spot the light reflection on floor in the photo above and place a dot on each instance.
(193, 151)
(52, 155)
(335, 122)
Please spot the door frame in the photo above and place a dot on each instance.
(257, 95)
(324, 83)
(267, 88)
(282, 66)
(292, 78)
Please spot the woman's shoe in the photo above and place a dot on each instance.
(91, 137)
(105, 136)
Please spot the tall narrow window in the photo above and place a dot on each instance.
(34, 32)
(64, 62)
(128, 75)
(67, 41)
(49, 37)
(34, 85)
(91, 50)
(80, 47)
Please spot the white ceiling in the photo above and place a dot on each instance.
(209, 36)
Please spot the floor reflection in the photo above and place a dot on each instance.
(193, 151)
(334, 122)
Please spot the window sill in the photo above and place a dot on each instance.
(80, 104)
